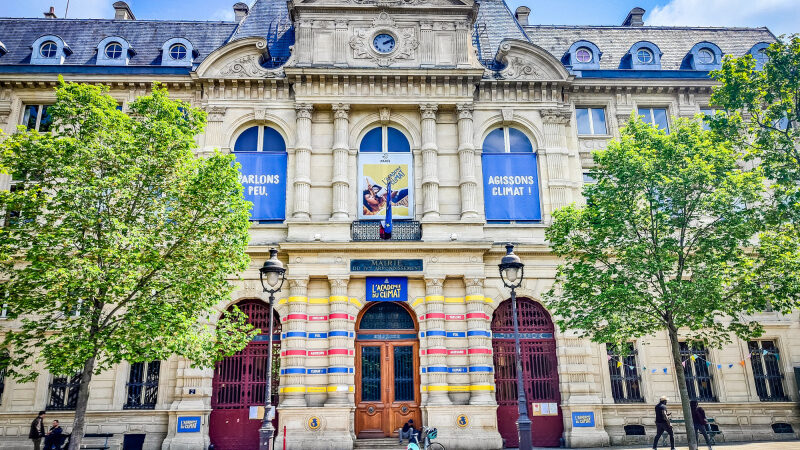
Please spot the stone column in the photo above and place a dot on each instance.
(479, 337)
(435, 338)
(293, 386)
(340, 46)
(339, 359)
(302, 163)
(341, 185)
(430, 169)
(466, 163)
(557, 156)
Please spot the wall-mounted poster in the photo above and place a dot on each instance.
(511, 186)
(263, 175)
(375, 172)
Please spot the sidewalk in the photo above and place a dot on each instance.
(768, 445)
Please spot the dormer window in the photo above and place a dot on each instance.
(583, 55)
(759, 52)
(113, 50)
(705, 56)
(177, 52)
(49, 49)
(644, 56)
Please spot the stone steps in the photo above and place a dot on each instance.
(378, 444)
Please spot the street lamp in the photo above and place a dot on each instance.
(275, 274)
(511, 272)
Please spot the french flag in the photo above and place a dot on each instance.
(386, 224)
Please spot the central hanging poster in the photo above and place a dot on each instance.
(376, 171)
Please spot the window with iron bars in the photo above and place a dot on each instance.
(626, 384)
(698, 373)
(64, 392)
(767, 371)
(143, 385)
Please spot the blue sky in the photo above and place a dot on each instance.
(781, 16)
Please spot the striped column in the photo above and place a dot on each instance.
(340, 352)
(457, 370)
(479, 337)
(435, 335)
(317, 345)
(293, 344)
(418, 305)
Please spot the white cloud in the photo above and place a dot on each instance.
(781, 16)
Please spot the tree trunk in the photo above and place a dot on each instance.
(684, 393)
(80, 409)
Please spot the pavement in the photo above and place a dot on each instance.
(769, 445)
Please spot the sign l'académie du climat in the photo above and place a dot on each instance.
(263, 176)
(511, 186)
(387, 289)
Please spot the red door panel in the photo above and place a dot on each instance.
(539, 368)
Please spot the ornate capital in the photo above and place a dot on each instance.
(303, 110)
(215, 113)
(298, 283)
(428, 111)
(473, 282)
(339, 282)
(556, 116)
(465, 110)
(431, 283)
(341, 110)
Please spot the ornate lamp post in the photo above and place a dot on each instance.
(275, 275)
(511, 272)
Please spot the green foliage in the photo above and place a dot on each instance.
(662, 241)
(762, 118)
(124, 239)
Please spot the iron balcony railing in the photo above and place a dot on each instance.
(370, 230)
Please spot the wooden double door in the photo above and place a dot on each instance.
(387, 387)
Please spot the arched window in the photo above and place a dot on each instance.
(510, 176)
(260, 139)
(582, 55)
(385, 160)
(261, 152)
(642, 55)
(384, 139)
(386, 316)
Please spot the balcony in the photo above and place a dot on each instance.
(370, 230)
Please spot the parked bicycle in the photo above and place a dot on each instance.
(426, 436)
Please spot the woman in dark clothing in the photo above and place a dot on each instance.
(700, 422)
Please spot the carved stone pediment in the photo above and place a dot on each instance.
(248, 67)
(525, 61)
(239, 59)
(405, 37)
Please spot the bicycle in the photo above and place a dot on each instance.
(426, 435)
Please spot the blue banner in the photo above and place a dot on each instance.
(387, 289)
(188, 424)
(583, 419)
(263, 176)
(511, 186)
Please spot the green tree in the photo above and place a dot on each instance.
(762, 117)
(119, 241)
(661, 245)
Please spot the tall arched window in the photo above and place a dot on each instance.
(385, 162)
(261, 153)
(510, 176)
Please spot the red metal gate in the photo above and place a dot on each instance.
(540, 373)
(239, 382)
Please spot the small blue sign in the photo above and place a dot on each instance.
(387, 289)
(189, 424)
(511, 186)
(583, 419)
(263, 176)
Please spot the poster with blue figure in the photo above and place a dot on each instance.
(511, 186)
(263, 176)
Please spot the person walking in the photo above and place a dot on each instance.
(37, 431)
(662, 423)
(700, 422)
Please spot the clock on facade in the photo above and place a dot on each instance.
(383, 43)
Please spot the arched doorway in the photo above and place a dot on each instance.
(540, 373)
(387, 370)
(239, 382)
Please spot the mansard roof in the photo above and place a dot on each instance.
(82, 36)
(494, 24)
(674, 42)
(269, 19)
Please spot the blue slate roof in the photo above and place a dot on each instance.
(269, 19)
(83, 35)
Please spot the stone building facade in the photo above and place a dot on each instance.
(493, 121)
